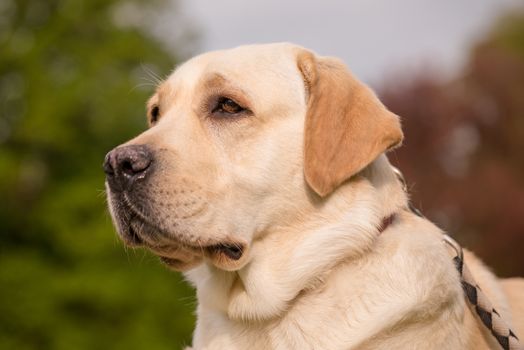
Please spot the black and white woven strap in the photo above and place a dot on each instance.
(479, 302)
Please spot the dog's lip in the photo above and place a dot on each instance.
(171, 261)
(133, 237)
(174, 246)
(233, 251)
(223, 255)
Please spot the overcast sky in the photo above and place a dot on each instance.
(372, 36)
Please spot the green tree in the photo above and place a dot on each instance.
(70, 90)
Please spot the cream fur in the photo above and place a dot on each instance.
(316, 273)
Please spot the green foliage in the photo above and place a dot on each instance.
(68, 94)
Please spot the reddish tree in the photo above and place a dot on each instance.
(463, 153)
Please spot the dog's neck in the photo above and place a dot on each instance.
(336, 230)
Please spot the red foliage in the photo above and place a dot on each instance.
(463, 153)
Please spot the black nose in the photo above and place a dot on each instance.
(125, 165)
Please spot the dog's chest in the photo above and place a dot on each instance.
(357, 302)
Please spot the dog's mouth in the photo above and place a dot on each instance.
(232, 252)
(172, 249)
(143, 237)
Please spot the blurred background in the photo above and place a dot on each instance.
(74, 77)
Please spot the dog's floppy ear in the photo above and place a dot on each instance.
(346, 126)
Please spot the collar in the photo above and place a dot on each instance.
(386, 222)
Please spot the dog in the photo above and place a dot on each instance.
(263, 178)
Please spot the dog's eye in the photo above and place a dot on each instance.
(228, 106)
(155, 113)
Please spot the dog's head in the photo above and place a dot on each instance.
(241, 141)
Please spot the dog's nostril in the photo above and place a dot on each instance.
(133, 160)
(127, 167)
(108, 168)
(124, 164)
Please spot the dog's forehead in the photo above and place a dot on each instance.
(243, 62)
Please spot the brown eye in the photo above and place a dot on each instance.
(155, 113)
(228, 106)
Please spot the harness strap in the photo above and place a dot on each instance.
(478, 301)
(487, 314)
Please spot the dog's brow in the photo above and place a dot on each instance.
(164, 91)
(153, 100)
(217, 82)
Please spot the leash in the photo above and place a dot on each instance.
(487, 314)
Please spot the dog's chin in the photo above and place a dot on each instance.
(176, 252)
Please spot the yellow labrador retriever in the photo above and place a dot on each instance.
(263, 178)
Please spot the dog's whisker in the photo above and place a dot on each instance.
(150, 81)
(102, 193)
(142, 85)
(152, 74)
(144, 254)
